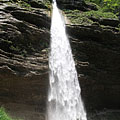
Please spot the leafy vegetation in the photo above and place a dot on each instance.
(106, 9)
(3, 115)
(26, 4)
(47, 4)
(20, 3)
(23, 4)
(79, 17)
(108, 5)
(99, 14)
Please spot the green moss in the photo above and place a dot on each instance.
(93, 4)
(47, 4)
(78, 17)
(5, 41)
(100, 14)
(4, 115)
(14, 48)
(23, 4)
(19, 3)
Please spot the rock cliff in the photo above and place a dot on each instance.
(24, 47)
(96, 51)
(75, 4)
(24, 41)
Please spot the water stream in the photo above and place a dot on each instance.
(64, 98)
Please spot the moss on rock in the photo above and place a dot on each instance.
(79, 17)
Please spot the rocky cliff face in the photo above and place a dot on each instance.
(75, 4)
(24, 41)
(97, 56)
(24, 46)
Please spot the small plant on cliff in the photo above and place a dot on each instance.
(3, 115)
(15, 48)
(100, 14)
(47, 4)
(107, 5)
(22, 3)
(84, 18)
(77, 17)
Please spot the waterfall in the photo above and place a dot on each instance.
(64, 98)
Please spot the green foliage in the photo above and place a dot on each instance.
(107, 5)
(23, 4)
(98, 2)
(112, 5)
(100, 14)
(78, 17)
(14, 48)
(3, 115)
(5, 41)
(47, 4)
(26, 3)
(93, 4)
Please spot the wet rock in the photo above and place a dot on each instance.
(24, 39)
(100, 49)
(24, 42)
(20, 32)
(75, 4)
(39, 20)
(107, 22)
(37, 4)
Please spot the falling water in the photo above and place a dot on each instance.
(64, 98)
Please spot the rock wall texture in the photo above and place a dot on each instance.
(75, 4)
(24, 46)
(24, 40)
(97, 55)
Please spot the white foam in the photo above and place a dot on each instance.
(64, 98)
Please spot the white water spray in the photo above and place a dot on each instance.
(64, 98)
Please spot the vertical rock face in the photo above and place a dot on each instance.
(72, 4)
(24, 39)
(24, 42)
(75, 4)
(97, 54)
(69, 1)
